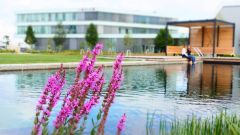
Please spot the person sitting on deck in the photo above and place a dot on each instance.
(187, 54)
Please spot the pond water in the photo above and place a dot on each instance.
(177, 90)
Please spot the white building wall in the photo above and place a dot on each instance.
(232, 14)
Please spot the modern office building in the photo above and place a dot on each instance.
(112, 26)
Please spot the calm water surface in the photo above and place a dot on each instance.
(168, 90)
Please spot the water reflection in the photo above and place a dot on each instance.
(171, 90)
(199, 80)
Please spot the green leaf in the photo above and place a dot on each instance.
(98, 116)
(93, 122)
(93, 132)
(36, 120)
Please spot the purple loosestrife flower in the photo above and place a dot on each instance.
(48, 99)
(92, 78)
(121, 123)
(82, 66)
(115, 82)
(93, 100)
(76, 95)
(114, 85)
(97, 49)
(69, 104)
(87, 107)
(75, 104)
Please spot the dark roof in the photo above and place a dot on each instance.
(209, 22)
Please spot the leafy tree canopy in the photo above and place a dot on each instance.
(91, 35)
(60, 35)
(30, 37)
(160, 40)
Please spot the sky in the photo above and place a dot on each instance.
(180, 9)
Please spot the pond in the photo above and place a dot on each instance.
(176, 90)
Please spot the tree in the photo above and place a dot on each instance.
(30, 37)
(128, 41)
(49, 47)
(160, 40)
(91, 35)
(6, 40)
(60, 36)
(182, 41)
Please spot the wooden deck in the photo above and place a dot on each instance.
(164, 59)
(223, 60)
(179, 59)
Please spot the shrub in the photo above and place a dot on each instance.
(225, 55)
(41, 51)
(76, 106)
(7, 51)
(71, 52)
(32, 51)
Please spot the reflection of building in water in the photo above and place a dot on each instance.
(194, 79)
(211, 80)
(202, 79)
(236, 82)
(217, 79)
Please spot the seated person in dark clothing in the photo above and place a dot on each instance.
(189, 55)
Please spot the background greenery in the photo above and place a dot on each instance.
(6, 58)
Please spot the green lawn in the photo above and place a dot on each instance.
(40, 58)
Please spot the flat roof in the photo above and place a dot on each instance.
(195, 23)
(96, 9)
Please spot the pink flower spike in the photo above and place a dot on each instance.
(47, 112)
(121, 123)
(97, 49)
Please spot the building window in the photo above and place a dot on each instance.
(126, 31)
(90, 15)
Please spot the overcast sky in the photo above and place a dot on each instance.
(181, 9)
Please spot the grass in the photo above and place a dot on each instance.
(221, 124)
(41, 58)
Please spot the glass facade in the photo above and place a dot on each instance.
(81, 29)
(69, 29)
(69, 17)
(101, 16)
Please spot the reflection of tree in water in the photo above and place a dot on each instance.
(31, 83)
(175, 81)
(161, 76)
(140, 80)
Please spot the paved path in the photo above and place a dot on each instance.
(45, 66)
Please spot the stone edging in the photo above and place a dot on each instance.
(47, 66)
